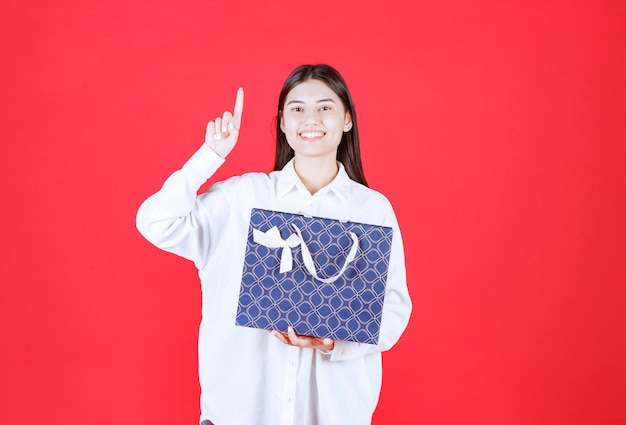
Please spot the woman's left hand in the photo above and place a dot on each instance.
(291, 338)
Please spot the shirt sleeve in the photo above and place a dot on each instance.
(396, 308)
(171, 219)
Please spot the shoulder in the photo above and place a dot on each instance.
(247, 181)
(236, 195)
(370, 206)
(251, 187)
(368, 195)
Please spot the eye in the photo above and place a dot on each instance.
(325, 108)
(296, 109)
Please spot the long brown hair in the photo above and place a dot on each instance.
(348, 152)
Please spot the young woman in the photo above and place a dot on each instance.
(251, 376)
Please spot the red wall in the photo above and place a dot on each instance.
(496, 128)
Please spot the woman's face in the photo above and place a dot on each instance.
(314, 120)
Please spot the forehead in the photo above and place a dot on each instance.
(311, 91)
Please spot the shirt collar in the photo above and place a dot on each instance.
(288, 180)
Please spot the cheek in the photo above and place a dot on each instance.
(288, 125)
(290, 131)
(337, 124)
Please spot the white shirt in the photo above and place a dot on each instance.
(247, 376)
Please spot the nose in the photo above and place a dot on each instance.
(312, 116)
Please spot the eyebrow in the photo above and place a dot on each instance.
(319, 101)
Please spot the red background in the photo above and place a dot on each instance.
(496, 128)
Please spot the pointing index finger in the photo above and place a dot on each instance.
(238, 107)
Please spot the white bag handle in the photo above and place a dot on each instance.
(308, 260)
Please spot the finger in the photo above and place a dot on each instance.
(328, 344)
(293, 338)
(210, 132)
(280, 337)
(226, 121)
(238, 111)
(218, 127)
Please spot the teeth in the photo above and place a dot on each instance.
(312, 134)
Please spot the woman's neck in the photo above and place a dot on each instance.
(316, 173)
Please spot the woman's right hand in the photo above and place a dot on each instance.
(222, 133)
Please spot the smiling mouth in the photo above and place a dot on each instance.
(312, 134)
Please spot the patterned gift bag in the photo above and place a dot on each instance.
(323, 277)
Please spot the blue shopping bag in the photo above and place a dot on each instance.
(323, 277)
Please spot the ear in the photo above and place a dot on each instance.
(348, 123)
(282, 122)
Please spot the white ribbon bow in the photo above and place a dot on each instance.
(272, 239)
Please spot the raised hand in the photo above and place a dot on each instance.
(222, 133)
